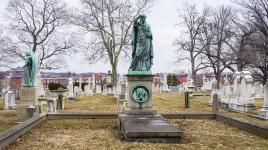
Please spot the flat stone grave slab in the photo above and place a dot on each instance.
(149, 128)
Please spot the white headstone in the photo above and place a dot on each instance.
(71, 94)
(5, 90)
(264, 111)
(242, 98)
(9, 100)
(165, 85)
(76, 90)
(5, 100)
(43, 107)
(98, 88)
(109, 90)
(258, 90)
(39, 84)
(88, 90)
(94, 82)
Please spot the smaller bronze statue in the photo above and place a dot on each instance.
(142, 47)
(30, 69)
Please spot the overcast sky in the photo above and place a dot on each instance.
(162, 18)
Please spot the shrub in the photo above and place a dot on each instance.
(56, 86)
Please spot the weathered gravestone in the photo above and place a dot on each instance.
(71, 94)
(258, 90)
(242, 99)
(225, 93)
(264, 111)
(6, 92)
(98, 88)
(88, 90)
(39, 84)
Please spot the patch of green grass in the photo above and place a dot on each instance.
(104, 134)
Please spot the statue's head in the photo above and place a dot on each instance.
(28, 53)
(142, 18)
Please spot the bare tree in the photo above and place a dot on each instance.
(215, 33)
(257, 16)
(239, 44)
(36, 25)
(109, 22)
(7, 59)
(259, 56)
(188, 49)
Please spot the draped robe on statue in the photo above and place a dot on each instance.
(30, 69)
(142, 48)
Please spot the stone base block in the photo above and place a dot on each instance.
(139, 111)
(135, 80)
(25, 113)
(264, 112)
(148, 128)
(29, 96)
(43, 107)
(241, 108)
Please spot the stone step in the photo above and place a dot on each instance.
(151, 128)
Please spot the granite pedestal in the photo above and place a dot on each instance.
(29, 97)
(140, 122)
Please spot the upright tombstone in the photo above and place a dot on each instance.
(190, 84)
(204, 80)
(258, 90)
(5, 90)
(165, 83)
(262, 90)
(88, 91)
(94, 83)
(109, 87)
(225, 91)
(39, 84)
(242, 98)
(71, 94)
(29, 92)
(139, 120)
(11, 99)
(215, 90)
(76, 90)
(246, 99)
(264, 111)
(98, 88)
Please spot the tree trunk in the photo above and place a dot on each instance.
(218, 78)
(194, 78)
(114, 73)
(193, 68)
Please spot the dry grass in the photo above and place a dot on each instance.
(164, 102)
(8, 118)
(104, 134)
(174, 102)
(259, 104)
(96, 103)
